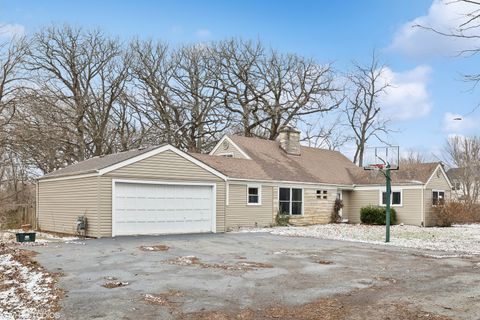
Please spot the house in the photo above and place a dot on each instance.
(465, 183)
(242, 182)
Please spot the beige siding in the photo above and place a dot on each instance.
(166, 166)
(356, 200)
(410, 212)
(239, 214)
(347, 203)
(231, 149)
(61, 202)
(437, 182)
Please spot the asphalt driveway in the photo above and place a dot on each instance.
(259, 276)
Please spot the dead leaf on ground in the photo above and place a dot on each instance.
(114, 284)
(238, 266)
(158, 247)
(165, 298)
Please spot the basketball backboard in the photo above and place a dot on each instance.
(377, 158)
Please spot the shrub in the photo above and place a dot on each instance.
(455, 212)
(338, 205)
(282, 219)
(377, 215)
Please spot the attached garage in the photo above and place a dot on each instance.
(159, 190)
(147, 207)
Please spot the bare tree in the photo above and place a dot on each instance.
(152, 71)
(412, 157)
(468, 29)
(44, 137)
(463, 153)
(329, 136)
(240, 80)
(266, 90)
(81, 74)
(12, 55)
(363, 109)
(197, 94)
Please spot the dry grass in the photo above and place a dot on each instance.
(322, 309)
(40, 301)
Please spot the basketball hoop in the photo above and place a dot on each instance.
(378, 158)
(383, 159)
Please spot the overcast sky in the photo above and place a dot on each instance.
(426, 75)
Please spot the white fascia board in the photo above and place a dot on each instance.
(68, 177)
(277, 182)
(219, 143)
(158, 151)
(394, 187)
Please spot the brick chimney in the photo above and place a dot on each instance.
(289, 140)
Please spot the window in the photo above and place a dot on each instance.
(254, 195)
(438, 198)
(226, 155)
(395, 198)
(291, 200)
(320, 192)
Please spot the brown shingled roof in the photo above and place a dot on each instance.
(270, 162)
(96, 163)
(407, 174)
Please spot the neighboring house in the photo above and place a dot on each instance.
(465, 183)
(243, 182)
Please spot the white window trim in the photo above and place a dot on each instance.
(438, 190)
(290, 209)
(259, 187)
(380, 199)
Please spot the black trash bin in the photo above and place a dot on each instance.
(26, 236)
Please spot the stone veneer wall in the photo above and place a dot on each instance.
(316, 211)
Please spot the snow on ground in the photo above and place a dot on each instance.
(8, 236)
(27, 291)
(459, 239)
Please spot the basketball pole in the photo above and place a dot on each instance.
(388, 195)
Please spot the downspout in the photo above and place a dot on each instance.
(37, 196)
(99, 217)
(227, 201)
(423, 205)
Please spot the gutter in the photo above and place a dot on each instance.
(344, 186)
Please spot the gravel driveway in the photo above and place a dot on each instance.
(258, 276)
(459, 240)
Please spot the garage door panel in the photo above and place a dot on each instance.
(142, 208)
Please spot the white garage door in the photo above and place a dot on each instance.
(144, 208)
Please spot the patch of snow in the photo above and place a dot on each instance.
(76, 242)
(459, 239)
(29, 292)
